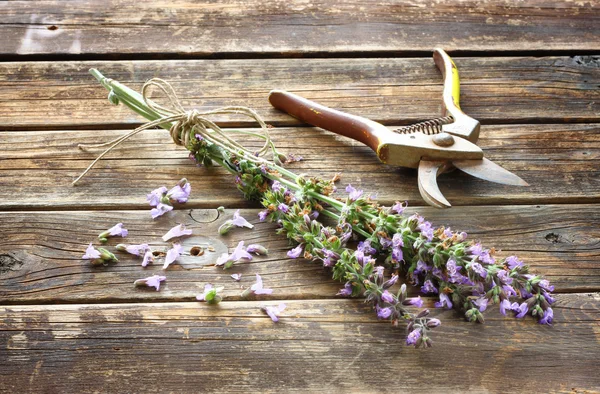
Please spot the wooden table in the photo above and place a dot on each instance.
(530, 73)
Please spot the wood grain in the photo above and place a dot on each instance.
(392, 91)
(318, 345)
(36, 168)
(40, 252)
(282, 28)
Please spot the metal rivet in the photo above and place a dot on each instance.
(443, 139)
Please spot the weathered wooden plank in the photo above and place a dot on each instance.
(40, 252)
(325, 27)
(392, 91)
(559, 161)
(317, 346)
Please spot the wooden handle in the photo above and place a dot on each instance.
(358, 128)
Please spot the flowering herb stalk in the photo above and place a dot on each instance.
(440, 262)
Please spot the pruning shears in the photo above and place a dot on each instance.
(434, 146)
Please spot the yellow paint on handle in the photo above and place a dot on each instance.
(455, 85)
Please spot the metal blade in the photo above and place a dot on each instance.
(489, 171)
(428, 173)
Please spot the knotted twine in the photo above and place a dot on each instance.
(186, 124)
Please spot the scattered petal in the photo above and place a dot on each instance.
(151, 281)
(210, 295)
(172, 255)
(257, 288)
(296, 252)
(136, 250)
(160, 210)
(177, 231)
(236, 277)
(156, 195)
(239, 221)
(91, 253)
(148, 258)
(274, 311)
(257, 249)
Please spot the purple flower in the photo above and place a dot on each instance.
(504, 277)
(366, 248)
(151, 281)
(148, 258)
(378, 272)
(548, 317)
(428, 287)
(384, 313)
(276, 186)
(390, 282)
(433, 323)
(481, 303)
(444, 301)
(398, 207)
(487, 258)
(426, 230)
(504, 305)
(156, 195)
(330, 258)
(397, 255)
(239, 221)
(413, 337)
(236, 277)
(475, 250)
(210, 295)
(262, 215)
(548, 297)
(115, 231)
(274, 311)
(257, 249)
(354, 194)
(544, 284)
(283, 208)
(414, 301)
(346, 291)
(296, 252)
(360, 256)
(91, 253)
(520, 309)
(237, 254)
(421, 267)
(160, 210)
(181, 192)
(257, 288)
(177, 231)
(513, 262)
(385, 242)
(478, 268)
(387, 297)
(448, 232)
(172, 255)
(136, 250)
(397, 241)
(509, 290)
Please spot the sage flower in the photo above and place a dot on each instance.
(413, 337)
(237, 221)
(257, 249)
(513, 262)
(151, 281)
(346, 291)
(262, 215)
(210, 295)
(238, 254)
(429, 287)
(148, 258)
(387, 297)
(296, 252)
(354, 194)
(177, 231)
(172, 255)
(257, 288)
(156, 195)
(444, 301)
(98, 257)
(274, 311)
(398, 208)
(236, 277)
(384, 313)
(136, 250)
(160, 210)
(116, 230)
(414, 301)
(181, 192)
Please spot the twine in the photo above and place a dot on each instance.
(186, 125)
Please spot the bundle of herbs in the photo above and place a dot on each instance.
(461, 273)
